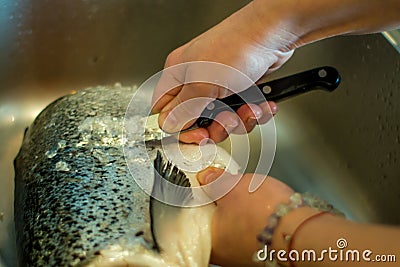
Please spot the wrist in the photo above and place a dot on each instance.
(275, 24)
(307, 21)
(300, 22)
(289, 224)
(302, 229)
(288, 220)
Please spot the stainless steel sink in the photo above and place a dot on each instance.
(343, 146)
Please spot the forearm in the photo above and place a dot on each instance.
(323, 232)
(308, 20)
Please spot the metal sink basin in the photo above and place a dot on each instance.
(342, 146)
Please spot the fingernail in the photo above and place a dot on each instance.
(252, 121)
(208, 175)
(230, 125)
(170, 123)
(274, 108)
(257, 114)
(205, 141)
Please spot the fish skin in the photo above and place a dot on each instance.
(76, 203)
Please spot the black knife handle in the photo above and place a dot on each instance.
(323, 78)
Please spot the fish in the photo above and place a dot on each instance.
(78, 201)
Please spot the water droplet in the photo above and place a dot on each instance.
(61, 144)
(51, 153)
(62, 166)
(100, 155)
(82, 143)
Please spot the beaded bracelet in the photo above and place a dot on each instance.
(297, 200)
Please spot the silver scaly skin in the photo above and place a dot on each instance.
(76, 203)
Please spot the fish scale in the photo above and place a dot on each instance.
(76, 202)
(95, 201)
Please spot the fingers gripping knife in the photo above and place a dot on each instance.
(324, 78)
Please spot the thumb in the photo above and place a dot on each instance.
(209, 175)
(183, 110)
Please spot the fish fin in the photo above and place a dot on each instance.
(166, 173)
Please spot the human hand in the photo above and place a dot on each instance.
(240, 216)
(256, 40)
(241, 42)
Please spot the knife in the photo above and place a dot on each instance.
(325, 78)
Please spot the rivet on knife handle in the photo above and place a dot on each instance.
(322, 78)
